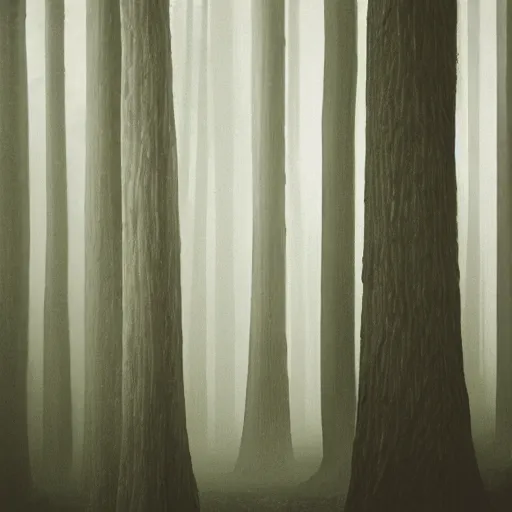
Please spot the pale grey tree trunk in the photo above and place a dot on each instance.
(103, 255)
(413, 448)
(471, 324)
(222, 37)
(155, 469)
(57, 428)
(504, 283)
(266, 438)
(298, 333)
(15, 478)
(197, 395)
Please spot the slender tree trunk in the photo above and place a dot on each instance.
(471, 323)
(57, 429)
(103, 255)
(15, 478)
(504, 299)
(413, 448)
(296, 261)
(156, 468)
(337, 360)
(266, 438)
(222, 30)
(197, 403)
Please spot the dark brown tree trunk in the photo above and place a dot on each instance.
(197, 397)
(413, 448)
(57, 429)
(504, 283)
(296, 233)
(15, 478)
(222, 34)
(103, 255)
(338, 216)
(266, 438)
(156, 468)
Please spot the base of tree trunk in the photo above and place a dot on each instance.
(264, 467)
(328, 478)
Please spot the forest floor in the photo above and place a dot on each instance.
(221, 491)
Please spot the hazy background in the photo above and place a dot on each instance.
(311, 48)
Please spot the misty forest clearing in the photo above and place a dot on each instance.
(255, 255)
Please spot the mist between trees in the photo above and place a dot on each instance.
(258, 255)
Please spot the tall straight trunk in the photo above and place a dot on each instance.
(103, 255)
(15, 478)
(266, 438)
(338, 393)
(471, 312)
(197, 402)
(57, 429)
(504, 298)
(296, 262)
(155, 468)
(222, 34)
(413, 448)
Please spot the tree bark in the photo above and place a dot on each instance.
(57, 427)
(413, 448)
(266, 438)
(155, 468)
(296, 233)
(15, 478)
(222, 34)
(338, 393)
(504, 283)
(103, 255)
(197, 402)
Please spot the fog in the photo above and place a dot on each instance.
(310, 165)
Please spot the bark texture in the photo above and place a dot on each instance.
(504, 283)
(295, 235)
(57, 428)
(15, 478)
(156, 468)
(266, 438)
(413, 448)
(197, 396)
(338, 217)
(103, 255)
(222, 36)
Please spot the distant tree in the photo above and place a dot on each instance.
(103, 255)
(15, 478)
(504, 298)
(197, 397)
(296, 234)
(471, 306)
(222, 45)
(266, 438)
(57, 429)
(338, 385)
(413, 448)
(156, 468)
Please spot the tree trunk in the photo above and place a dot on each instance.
(103, 255)
(197, 403)
(266, 439)
(296, 261)
(155, 468)
(57, 428)
(15, 478)
(504, 298)
(413, 448)
(338, 393)
(222, 34)
(471, 323)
